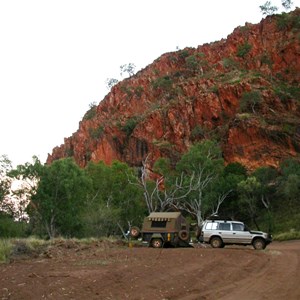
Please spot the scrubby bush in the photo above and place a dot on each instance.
(10, 228)
(229, 63)
(129, 126)
(243, 50)
(249, 101)
(91, 113)
(165, 83)
(96, 133)
(290, 235)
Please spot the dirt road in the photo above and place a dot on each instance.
(106, 271)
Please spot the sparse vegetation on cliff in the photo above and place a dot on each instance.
(243, 49)
(242, 92)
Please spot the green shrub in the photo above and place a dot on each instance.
(285, 21)
(69, 152)
(257, 75)
(88, 155)
(156, 72)
(96, 133)
(249, 101)
(173, 59)
(165, 83)
(183, 53)
(91, 113)
(243, 50)
(130, 125)
(10, 228)
(287, 218)
(201, 54)
(197, 132)
(290, 235)
(215, 89)
(296, 22)
(229, 63)
(244, 29)
(127, 90)
(282, 21)
(191, 62)
(139, 91)
(178, 74)
(286, 93)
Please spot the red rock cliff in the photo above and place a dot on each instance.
(242, 91)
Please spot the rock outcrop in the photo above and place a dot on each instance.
(242, 91)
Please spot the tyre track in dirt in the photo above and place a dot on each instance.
(122, 273)
(279, 279)
(276, 278)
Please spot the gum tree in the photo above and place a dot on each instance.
(127, 68)
(113, 204)
(60, 197)
(204, 162)
(5, 167)
(5, 181)
(268, 9)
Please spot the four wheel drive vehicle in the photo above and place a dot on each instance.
(219, 233)
(162, 229)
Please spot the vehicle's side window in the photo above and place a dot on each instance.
(211, 225)
(224, 226)
(237, 227)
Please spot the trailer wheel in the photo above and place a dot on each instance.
(156, 243)
(134, 231)
(183, 235)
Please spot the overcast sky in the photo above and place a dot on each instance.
(56, 55)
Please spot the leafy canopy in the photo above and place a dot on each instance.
(60, 198)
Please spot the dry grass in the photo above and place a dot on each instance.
(285, 236)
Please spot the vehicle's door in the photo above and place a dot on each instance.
(224, 230)
(208, 230)
(240, 235)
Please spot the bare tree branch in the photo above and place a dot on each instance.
(221, 199)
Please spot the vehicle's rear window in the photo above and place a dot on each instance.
(211, 225)
(159, 224)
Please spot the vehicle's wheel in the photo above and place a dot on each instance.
(259, 244)
(134, 231)
(216, 242)
(183, 235)
(156, 243)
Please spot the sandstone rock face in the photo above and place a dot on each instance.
(243, 91)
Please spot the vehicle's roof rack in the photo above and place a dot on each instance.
(216, 217)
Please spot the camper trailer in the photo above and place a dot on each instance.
(163, 229)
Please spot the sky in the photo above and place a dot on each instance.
(56, 55)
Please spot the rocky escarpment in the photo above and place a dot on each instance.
(242, 91)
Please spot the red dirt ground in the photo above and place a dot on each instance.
(110, 271)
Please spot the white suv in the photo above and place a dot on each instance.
(219, 233)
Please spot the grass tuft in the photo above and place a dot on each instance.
(285, 236)
(5, 250)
